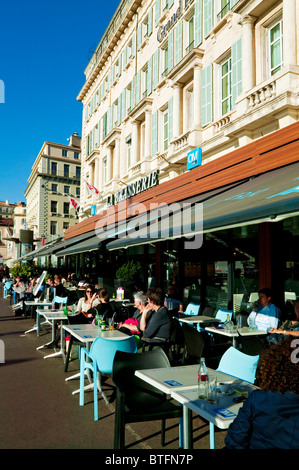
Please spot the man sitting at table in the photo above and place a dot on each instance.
(267, 315)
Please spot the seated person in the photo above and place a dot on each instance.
(269, 418)
(157, 330)
(171, 298)
(18, 289)
(103, 307)
(84, 310)
(289, 327)
(131, 326)
(267, 315)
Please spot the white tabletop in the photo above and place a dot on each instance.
(222, 331)
(52, 315)
(38, 304)
(221, 414)
(170, 379)
(197, 319)
(88, 333)
(244, 331)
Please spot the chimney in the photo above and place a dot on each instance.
(75, 140)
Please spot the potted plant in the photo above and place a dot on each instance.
(128, 271)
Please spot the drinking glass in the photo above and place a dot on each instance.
(110, 323)
(212, 393)
(251, 322)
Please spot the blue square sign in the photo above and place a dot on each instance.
(194, 158)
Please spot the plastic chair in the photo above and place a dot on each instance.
(59, 300)
(100, 362)
(239, 365)
(194, 345)
(222, 314)
(192, 309)
(136, 400)
(7, 286)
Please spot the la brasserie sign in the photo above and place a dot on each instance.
(165, 28)
(139, 186)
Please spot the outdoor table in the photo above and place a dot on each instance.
(179, 381)
(244, 331)
(192, 319)
(32, 304)
(87, 333)
(220, 414)
(52, 316)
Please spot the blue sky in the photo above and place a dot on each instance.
(45, 46)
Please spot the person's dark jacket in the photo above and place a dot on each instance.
(103, 309)
(267, 420)
(158, 327)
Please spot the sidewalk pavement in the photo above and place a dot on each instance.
(39, 411)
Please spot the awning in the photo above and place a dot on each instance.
(268, 197)
(90, 244)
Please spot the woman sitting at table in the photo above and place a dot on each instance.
(83, 312)
(131, 326)
(157, 330)
(103, 307)
(269, 419)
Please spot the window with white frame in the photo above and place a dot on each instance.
(275, 46)
(190, 33)
(165, 123)
(105, 170)
(129, 150)
(226, 86)
(164, 57)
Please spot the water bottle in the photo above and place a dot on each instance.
(73, 309)
(97, 320)
(65, 311)
(203, 380)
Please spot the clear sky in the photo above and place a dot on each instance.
(45, 46)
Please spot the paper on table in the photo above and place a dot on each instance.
(172, 383)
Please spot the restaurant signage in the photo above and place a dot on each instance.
(139, 186)
(165, 28)
(194, 158)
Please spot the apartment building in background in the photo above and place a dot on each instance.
(55, 176)
(170, 76)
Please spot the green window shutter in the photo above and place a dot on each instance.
(133, 45)
(157, 11)
(170, 51)
(170, 119)
(178, 42)
(208, 17)
(206, 95)
(99, 133)
(111, 118)
(139, 36)
(154, 133)
(138, 90)
(119, 66)
(170, 3)
(236, 56)
(198, 23)
(149, 76)
(132, 104)
(123, 105)
(118, 111)
(150, 22)
(124, 55)
(108, 80)
(155, 68)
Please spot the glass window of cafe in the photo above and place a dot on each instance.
(224, 271)
(290, 248)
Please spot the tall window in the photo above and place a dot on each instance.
(53, 168)
(54, 207)
(78, 172)
(66, 171)
(64, 153)
(275, 42)
(66, 208)
(165, 130)
(129, 150)
(190, 34)
(226, 87)
(105, 170)
(53, 228)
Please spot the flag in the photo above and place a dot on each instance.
(92, 189)
(75, 204)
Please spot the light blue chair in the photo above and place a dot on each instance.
(59, 300)
(100, 361)
(239, 365)
(192, 309)
(222, 313)
(6, 288)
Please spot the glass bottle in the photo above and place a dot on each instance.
(203, 380)
(65, 311)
